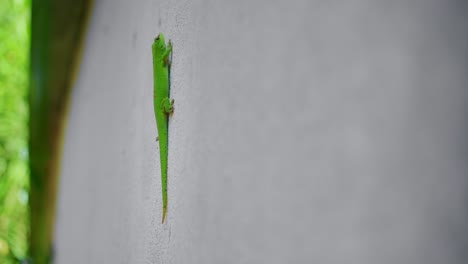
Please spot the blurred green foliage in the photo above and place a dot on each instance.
(14, 179)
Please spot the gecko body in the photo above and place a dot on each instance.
(163, 106)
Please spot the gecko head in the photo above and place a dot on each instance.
(159, 43)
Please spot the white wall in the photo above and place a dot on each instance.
(304, 132)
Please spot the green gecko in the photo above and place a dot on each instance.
(163, 107)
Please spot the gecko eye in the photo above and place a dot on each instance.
(157, 38)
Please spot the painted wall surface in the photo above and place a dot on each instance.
(304, 132)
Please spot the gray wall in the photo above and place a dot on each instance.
(304, 132)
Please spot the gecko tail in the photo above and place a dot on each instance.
(163, 215)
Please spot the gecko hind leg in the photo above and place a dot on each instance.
(167, 106)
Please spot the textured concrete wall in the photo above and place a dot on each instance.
(304, 132)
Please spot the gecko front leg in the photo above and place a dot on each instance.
(167, 52)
